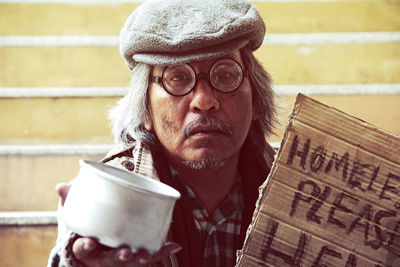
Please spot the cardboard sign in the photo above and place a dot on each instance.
(332, 197)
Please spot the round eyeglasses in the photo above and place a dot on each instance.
(226, 75)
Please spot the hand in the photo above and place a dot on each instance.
(91, 253)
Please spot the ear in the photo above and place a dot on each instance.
(148, 117)
(148, 124)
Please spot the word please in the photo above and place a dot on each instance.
(366, 220)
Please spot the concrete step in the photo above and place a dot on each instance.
(289, 64)
(28, 218)
(84, 120)
(62, 66)
(332, 64)
(380, 110)
(26, 238)
(107, 17)
(27, 246)
(55, 120)
(29, 174)
(33, 171)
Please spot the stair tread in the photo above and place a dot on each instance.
(280, 17)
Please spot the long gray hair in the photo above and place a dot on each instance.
(132, 111)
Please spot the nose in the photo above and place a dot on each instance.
(204, 97)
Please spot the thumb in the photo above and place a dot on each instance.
(168, 249)
(62, 190)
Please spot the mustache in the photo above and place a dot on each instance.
(211, 123)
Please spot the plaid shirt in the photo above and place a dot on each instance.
(220, 229)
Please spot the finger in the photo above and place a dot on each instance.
(83, 247)
(62, 190)
(168, 249)
(123, 255)
(143, 257)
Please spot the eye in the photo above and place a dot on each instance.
(179, 77)
(178, 80)
(224, 75)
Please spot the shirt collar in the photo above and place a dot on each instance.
(229, 207)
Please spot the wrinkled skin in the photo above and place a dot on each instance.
(172, 118)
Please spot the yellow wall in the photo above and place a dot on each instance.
(27, 246)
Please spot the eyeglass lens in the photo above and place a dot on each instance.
(225, 75)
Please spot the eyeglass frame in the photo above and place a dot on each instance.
(200, 75)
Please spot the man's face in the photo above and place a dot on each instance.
(205, 128)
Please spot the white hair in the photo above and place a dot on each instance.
(131, 112)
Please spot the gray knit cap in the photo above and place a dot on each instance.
(168, 32)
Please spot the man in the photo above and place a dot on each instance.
(196, 118)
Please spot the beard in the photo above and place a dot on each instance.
(208, 162)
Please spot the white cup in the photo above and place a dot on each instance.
(118, 207)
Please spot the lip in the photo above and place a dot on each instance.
(205, 131)
(207, 127)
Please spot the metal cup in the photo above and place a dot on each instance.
(118, 207)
